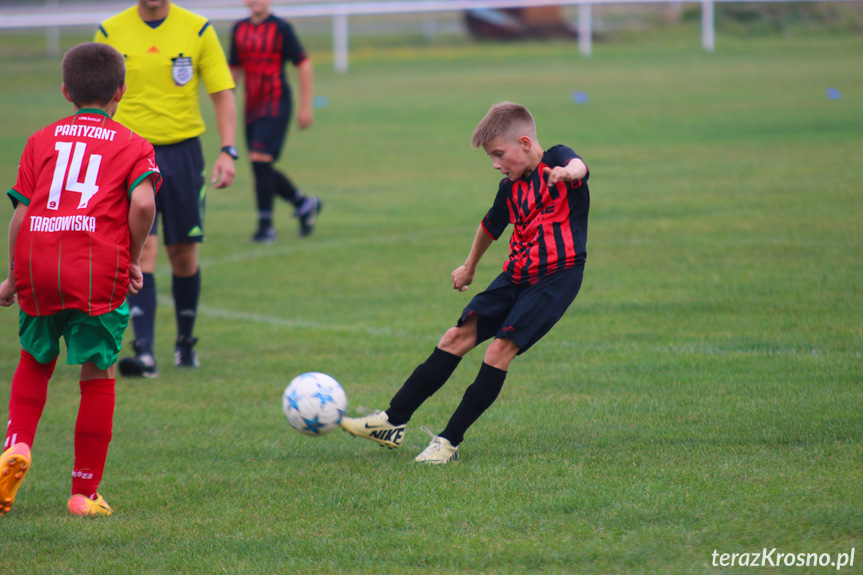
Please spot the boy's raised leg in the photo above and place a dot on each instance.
(388, 427)
(424, 382)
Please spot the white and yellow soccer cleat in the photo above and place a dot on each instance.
(439, 451)
(376, 427)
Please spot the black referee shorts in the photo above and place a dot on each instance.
(523, 313)
(180, 201)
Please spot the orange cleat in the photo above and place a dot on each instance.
(84, 506)
(14, 465)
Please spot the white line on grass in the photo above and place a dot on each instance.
(704, 348)
(297, 247)
(292, 323)
(697, 348)
(684, 349)
(306, 245)
(708, 241)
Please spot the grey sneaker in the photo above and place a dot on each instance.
(142, 364)
(440, 450)
(376, 427)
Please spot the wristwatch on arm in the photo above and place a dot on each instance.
(231, 151)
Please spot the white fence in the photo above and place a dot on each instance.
(52, 15)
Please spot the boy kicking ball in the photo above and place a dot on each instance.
(545, 196)
(84, 204)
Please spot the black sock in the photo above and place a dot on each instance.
(265, 220)
(286, 189)
(142, 311)
(426, 379)
(186, 292)
(265, 185)
(477, 398)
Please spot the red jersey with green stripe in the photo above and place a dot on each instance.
(76, 177)
(550, 223)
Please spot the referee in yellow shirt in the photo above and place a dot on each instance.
(169, 51)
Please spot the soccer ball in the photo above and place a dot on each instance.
(314, 403)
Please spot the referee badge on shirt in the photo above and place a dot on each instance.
(181, 71)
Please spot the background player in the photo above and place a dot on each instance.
(545, 196)
(168, 51)
(261, 45)
(85, 184)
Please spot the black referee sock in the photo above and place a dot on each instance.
(265, 185)
(286, 189)
(426, 379)
(142, 311)
(478, 397)
(186, 292)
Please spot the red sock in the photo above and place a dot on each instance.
(27, 399)
(92, 435)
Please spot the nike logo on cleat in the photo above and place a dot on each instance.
(389, 435)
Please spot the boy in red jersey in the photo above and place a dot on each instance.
(261, 45)
(84, 204)
(546, 198)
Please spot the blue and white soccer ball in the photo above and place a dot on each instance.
(314, 403)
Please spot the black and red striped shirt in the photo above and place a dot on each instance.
(262, 51)
(550, 223)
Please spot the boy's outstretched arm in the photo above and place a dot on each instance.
(575, 169)
(462, 276)
(7, 288)
(142, 211)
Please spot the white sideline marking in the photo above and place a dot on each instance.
(697, 348)
(692, 348)
(289, 322)
(689, 348)
(299, 246)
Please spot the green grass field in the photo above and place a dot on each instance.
(704, 393)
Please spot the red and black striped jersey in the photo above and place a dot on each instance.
(262, 50)
(76, 177)
(550, 231)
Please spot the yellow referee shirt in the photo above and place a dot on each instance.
(164, 67)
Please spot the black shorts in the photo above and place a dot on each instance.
(180, 201)
(523, 313)
(267, 135)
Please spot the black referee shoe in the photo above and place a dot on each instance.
(142, 364)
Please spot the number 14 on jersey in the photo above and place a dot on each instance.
(87, 188)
